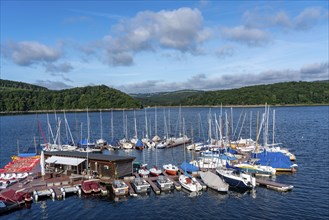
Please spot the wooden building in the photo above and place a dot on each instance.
(100, 164)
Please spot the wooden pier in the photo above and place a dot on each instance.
(174, 179)
(274, 185)
(155, 188)
(131, 189)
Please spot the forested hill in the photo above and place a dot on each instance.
(17, 96)
(12, 85)
(288, 93)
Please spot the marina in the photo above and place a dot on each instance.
(65, 183)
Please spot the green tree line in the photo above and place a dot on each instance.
(273, 94)
(22, 97)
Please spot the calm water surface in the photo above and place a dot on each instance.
(304, 130)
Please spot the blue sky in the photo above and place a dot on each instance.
(153, 46)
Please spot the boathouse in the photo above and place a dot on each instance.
(76, 162)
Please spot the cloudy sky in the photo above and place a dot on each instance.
(152, 46)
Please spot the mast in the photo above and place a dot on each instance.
(135, 123)
(112, 125)
(155, 123)
(169, 131)
(17, 147)
(250, 124)
(101, 120)
(165, 124)
(146, 126)
(87, 142)
(232, 122)
(184, 145)
(256, 133)
(273, 126)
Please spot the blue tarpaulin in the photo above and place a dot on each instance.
(276, 160)
(187, 167)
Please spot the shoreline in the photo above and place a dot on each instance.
(130, 109)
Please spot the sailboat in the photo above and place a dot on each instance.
(143, 171)
(236, 178)
(170, 169)
(100, 143)
(156, 171)
(186, 180)
(124, 142)
(214, 181)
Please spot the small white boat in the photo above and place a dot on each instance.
(207, 163)
(170, 169)
(161, 145)
(101, 142)
(164, 183)
(143, 172)
(140, 185)
(155, 171)
(190, 183)
(195, 146)
(120, 188)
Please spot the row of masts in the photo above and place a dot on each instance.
(220, 127)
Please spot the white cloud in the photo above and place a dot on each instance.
(308, 18)
(305, 20)
(53, 85)
(26, 53)
(315, 68)
(180, 30)
(58, 68)
(309, 72)
(249, 36)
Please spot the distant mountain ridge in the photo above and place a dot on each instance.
(165, 98)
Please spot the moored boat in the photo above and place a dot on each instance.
(258, 170)
(164, 183)
(143, 172)
(120, 188)
(214, 181)
(140, 185)
(237, 179)
(170, 169)
(190, 183)
(90, 186)
(155, 171)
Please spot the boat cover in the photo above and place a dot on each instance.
(187, 167)
(273, 159)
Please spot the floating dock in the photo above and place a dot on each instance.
(42, 193)
(70, 189)
(153, 185)
(173, 178)
(274, 185)
(131, 189)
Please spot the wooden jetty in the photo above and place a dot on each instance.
(174, 179)
(274, 185)
(131, 189)
(155, 188)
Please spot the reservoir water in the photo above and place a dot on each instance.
(303, 130)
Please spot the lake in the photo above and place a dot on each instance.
(303, 130)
